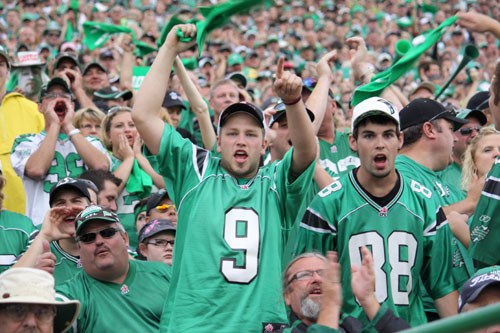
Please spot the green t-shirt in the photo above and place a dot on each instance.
(17, 232)
(452, 175)
(134, 306)
(228, 245)
(67, 266)
(435, 188)
(485, 246)
(409, 240)
(338, 158)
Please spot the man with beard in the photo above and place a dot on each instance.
(306, 289)
(54, 249)
(377, 207)
(60, 151)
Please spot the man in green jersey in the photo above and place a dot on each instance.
(429, 137)
(375, 206)
(485, 227)
(117, 294)
(232, 214)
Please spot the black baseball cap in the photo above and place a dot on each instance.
(66, 56)
(281, 111)
(93, 64)
(155, 199)
(238, 77)
(479, 101)
(155, 227)
(94, 213)
(466, 113)
(173, 99)
(55, 81)
(69, 183)
(249, 108)
(421, 110)
(473, 287)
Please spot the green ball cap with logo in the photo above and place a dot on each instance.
(94, 213)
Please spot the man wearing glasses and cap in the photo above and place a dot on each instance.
(42, 159)
(130, 293)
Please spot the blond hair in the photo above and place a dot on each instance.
(469, 164)
(89, 114)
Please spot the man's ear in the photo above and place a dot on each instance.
(219, 149)
(429, 130)
(353, 143)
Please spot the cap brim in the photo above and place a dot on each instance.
(241, 107)
(476, 293)
(371, 114)
(93, 219)
(457, 122)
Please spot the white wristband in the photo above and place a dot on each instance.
(73, 132)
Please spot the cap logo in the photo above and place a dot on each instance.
(485, 277)
(389, 105)
(175, 96)
(67, 180)
(151, 227)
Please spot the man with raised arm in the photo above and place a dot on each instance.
(232, 214)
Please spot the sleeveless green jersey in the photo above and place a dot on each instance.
(17, 232)
(409, 240)
(133, 306)
(485, 227)
(67, 266)
(429, 183)
(338, 158)
(229, 240)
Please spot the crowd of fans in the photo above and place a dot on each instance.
(168, 184)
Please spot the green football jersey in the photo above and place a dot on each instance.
(429, 183)
(485, 228)
(452, 175)
(133, 306)
(338, 158)
(409, 240)
(228, 245)
(17, 232)
(67, 266)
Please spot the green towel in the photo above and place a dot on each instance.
(384, 79)
(139, 181)
(96, 34)
(215, 17)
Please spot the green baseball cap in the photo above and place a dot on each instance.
(235, 59)
(94, 213)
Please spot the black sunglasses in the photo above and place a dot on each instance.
(91, 236)
(466, 131)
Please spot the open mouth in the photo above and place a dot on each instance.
(315, 291)
(60, 108)
(240, 156)
(380, 160)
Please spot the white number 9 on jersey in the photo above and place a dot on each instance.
(241, 233)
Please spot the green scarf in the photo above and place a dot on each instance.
(139, 181)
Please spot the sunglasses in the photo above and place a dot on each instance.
(91, 236)
(164, 207)
(117, 108)
(466, 131)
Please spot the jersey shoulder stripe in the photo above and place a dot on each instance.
(23, 138)
(313, 221)
(492, 188)
(200, 160)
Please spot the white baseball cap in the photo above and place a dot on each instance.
(374, 106)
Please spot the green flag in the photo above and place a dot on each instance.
(96, 34)
(142, 49)
(384, 79)
(166, 29)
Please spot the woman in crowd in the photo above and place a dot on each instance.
(129, 164)
(88, 121)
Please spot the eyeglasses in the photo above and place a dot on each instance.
(162, 243)
(19, 312)
(91, 236)
(466, 131)
(306, 275)
(56, 95)
(164, 207)
(51, 34)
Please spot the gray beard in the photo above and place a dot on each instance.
(310, 309)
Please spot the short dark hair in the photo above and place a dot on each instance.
(413, 133)
(98, 177)
(378, 120)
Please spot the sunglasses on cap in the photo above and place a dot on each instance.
(91, 236)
